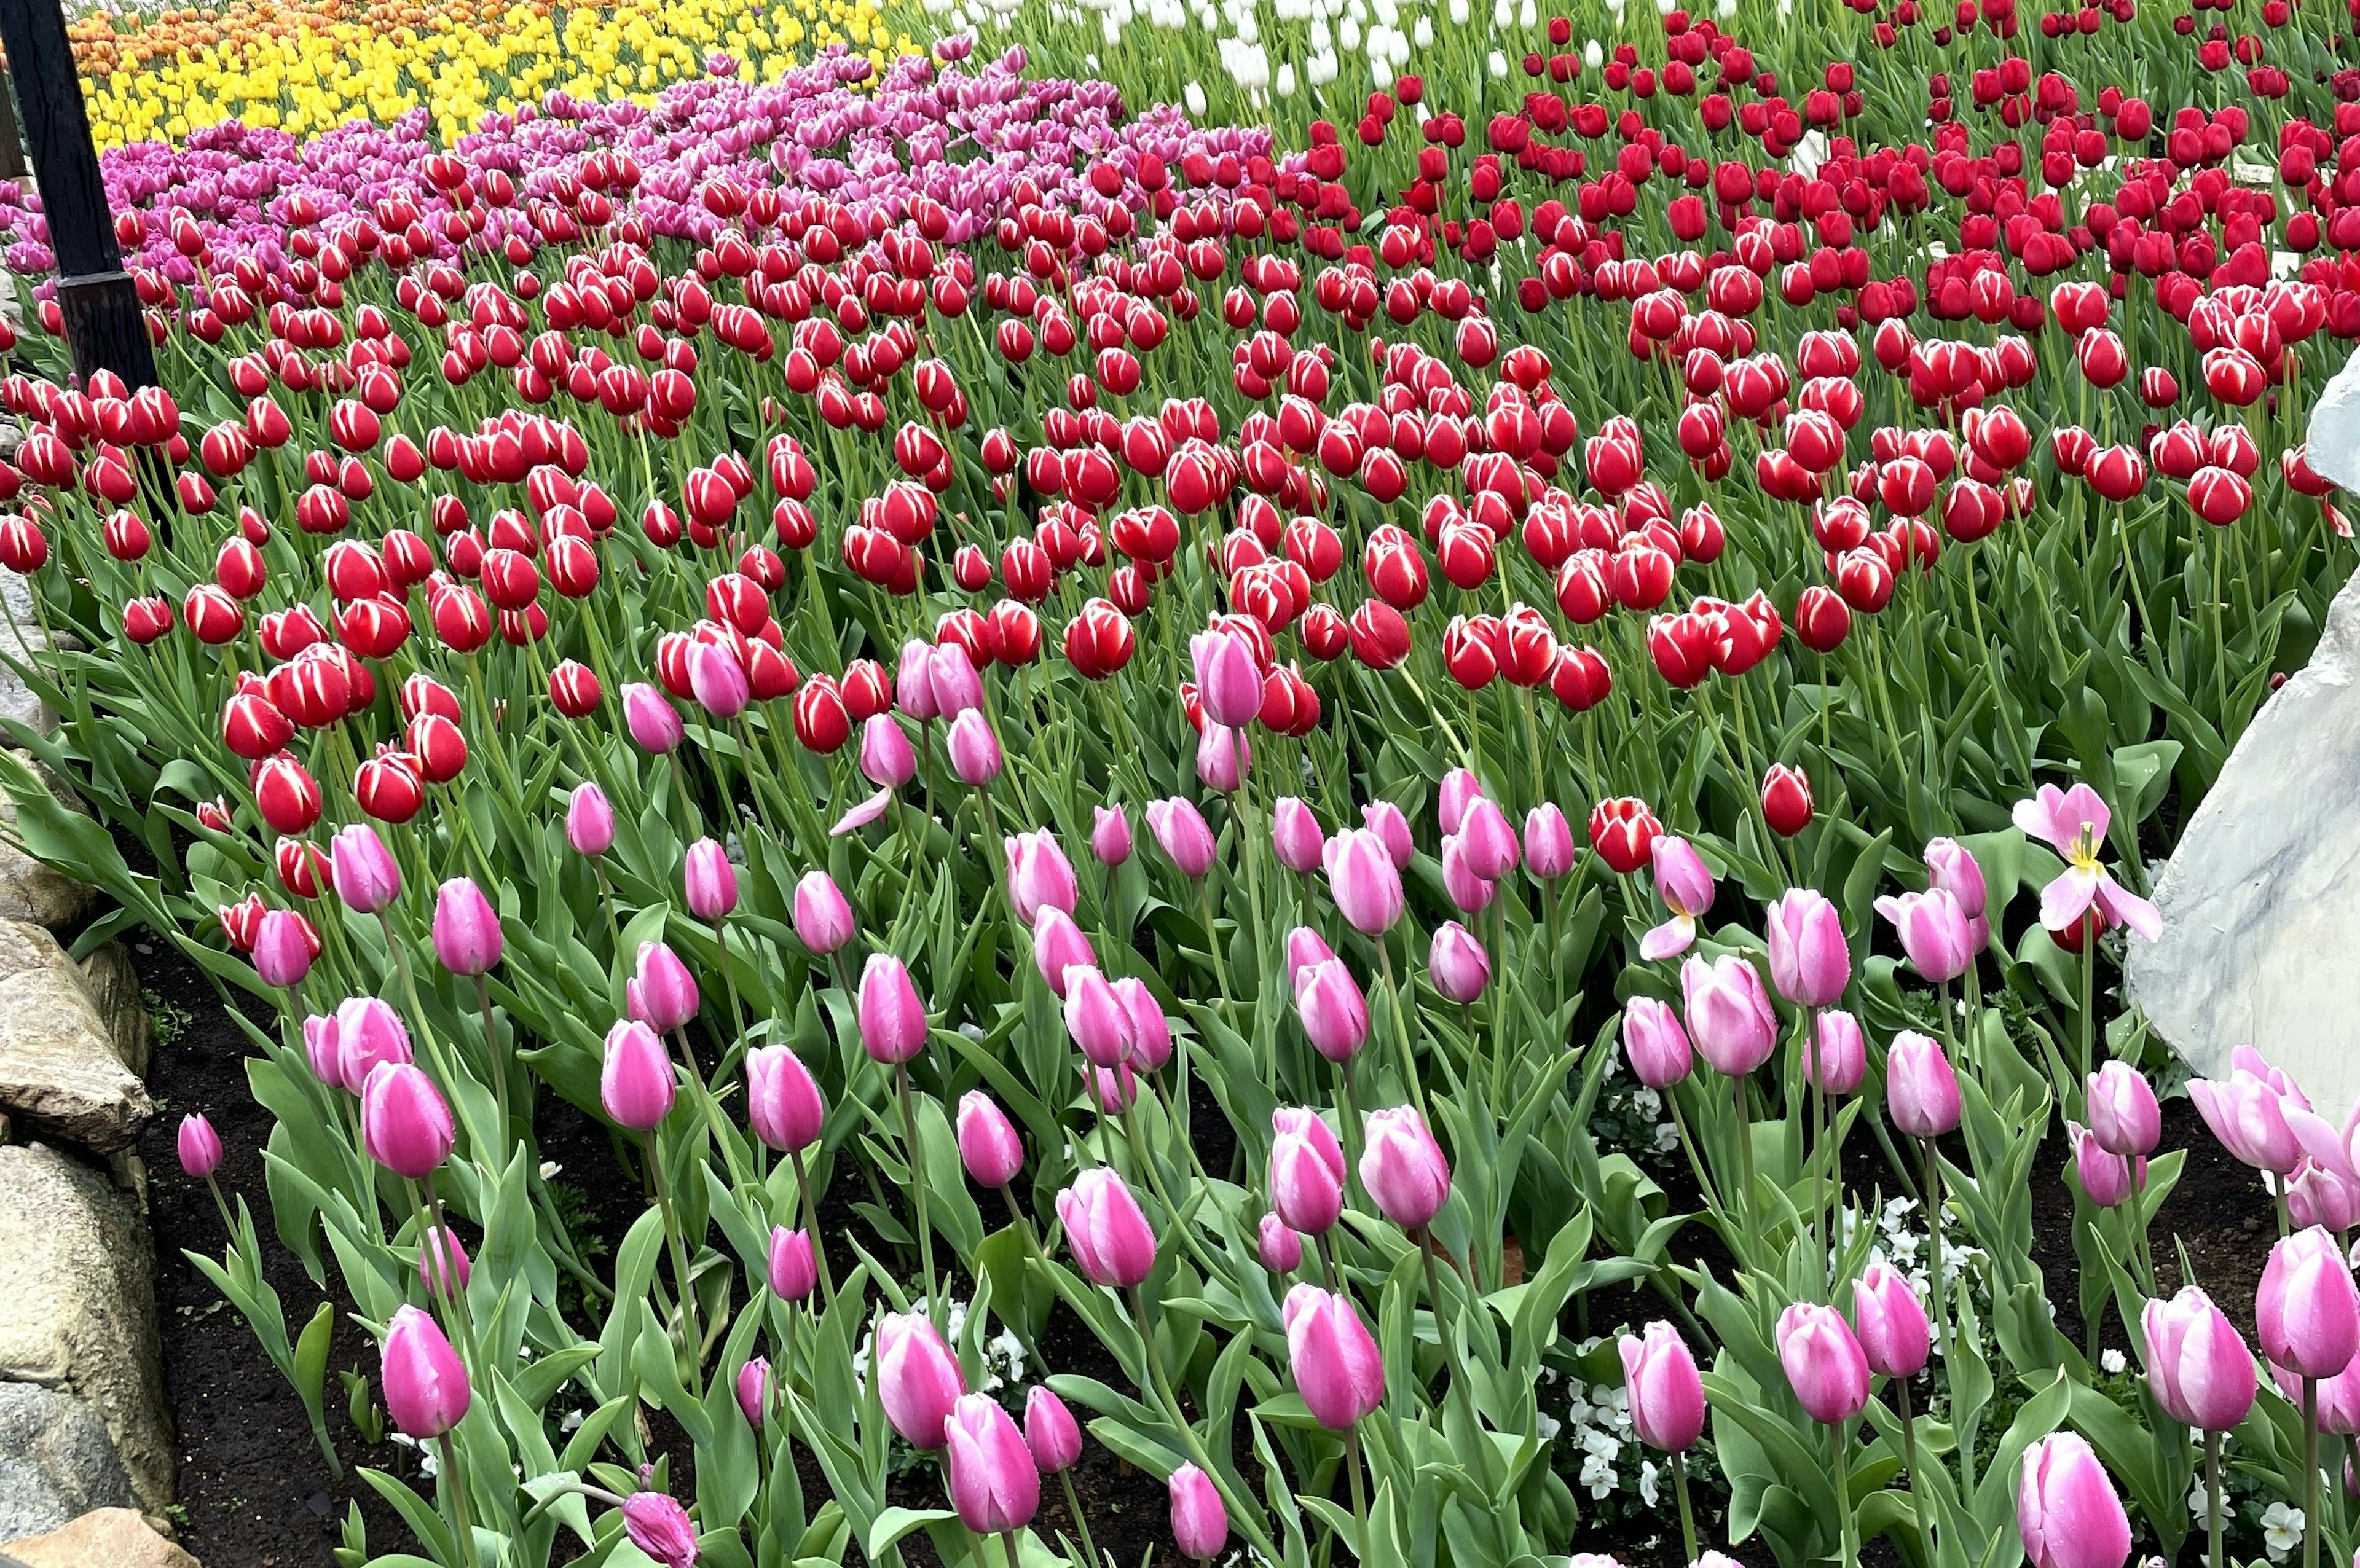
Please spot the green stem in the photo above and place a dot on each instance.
(811, 1225)
(1082, 1521)
(695, 1339)
(1688, 1515)
(918, 1192)
(2212, 1498)
(1250, 1523)
(1359, 1488)
(455, 1494)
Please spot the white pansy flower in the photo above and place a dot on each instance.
(2281, 1531)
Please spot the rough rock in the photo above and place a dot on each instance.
(2334, 433)
(56, 1461)
(114, 987)
(2258, 898)
(20, 636)
(63, 1068)
(104, 1538)
(28, 890)
(79, 1311)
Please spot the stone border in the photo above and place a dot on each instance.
(86, 1452)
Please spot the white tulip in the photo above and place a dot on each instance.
(1593, 54)
(1348, 34)
(1192, 95)
(1286, 79)
(1528, 15)
(1422, 34)
(1499, 63)
(1502, 13)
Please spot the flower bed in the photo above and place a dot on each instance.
(1420, 828)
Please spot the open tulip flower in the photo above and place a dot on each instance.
(1176, 718)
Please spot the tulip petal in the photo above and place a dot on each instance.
(862, 814)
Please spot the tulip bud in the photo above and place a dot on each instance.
(1809, 963)
(892, 1020)
(284, 949)
(1338, 1368)
(1950, 865)
(1051, 1433)
(425, 1383)
(1666, 1396)
(993, 1483)
(1934, 932)
(1402, 1167)
(1385, 819)
(1921, 1091)
(662, 995)
(1278, 1245)
(974, 750)
(2306, 1311)
(368, 1031)
(1654, 1043)
(654, 723)
(1294, 835)
(2065, 1509)
(709, 881)
(1039, 874)
(1200, 1525)
(1110, 1238)
(1729, 1014)
(2123, 1115)
(589, 821)
(635, 1080)
(1457, 964)
(443, 1266)
(2198, 1368)
(2107, 1179)
(1334, 1015)
(918, 1379)
(794, 1264)
(1364, 880)
(823, 919)
(754, 1390)
(1786, 799)
(405, 1125)
(1893, 1336)
(887, 758)
(1840, 1059)
(1151, 1031)
(366, 876)
(659, 1527)
(1058, 945)
(783, 1105)
(1181, 832)
(1548, 842)
(1460, 789)
(466, 932)
(1306, 1175)
(1110, 835)
(1823, 1363)
(988, 1143)
(200, 1147)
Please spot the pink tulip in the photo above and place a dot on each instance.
(887, 758)
(1334, 1015)
(1950, 865)
(1730, 1019)
(1548, 842)
(2123, 1110)
(784, 1105)
(2316, 1195)
(957, 685)
(662, 995)
(1468, 892)
(1385, 819)
(1666, 1396)
(1684, 885)
(466, 932)
(659, 1527)
(718, 680)
(368, 1031)
(2306, 1312)
(1200, 1525)
(1051, 1433)
(1058, 946)
(1933, 931)
(1304, 947)
(1278, 1246)
(918, 1379)
(913, 685)
(321, 1047)
(1338, 1368)
(1110, 835)
(794, 1264)
(2107, 1179)
(2248, 1115)
(1109, 1237)
(988, 1143)
(709, 881)
(589, 821)
(754, 1391)
(1488, 843)
(2336, 1401)
(1460, 789)
(1838, 1059)
(1402, 1167)
(994, 1484)
(199, 1148)
(2074, 823)
(1823, 1362)
(363, 869)
(1181, 834)
(1890, 1321)
(974, 750)
(1113, 1089)
(282, 949)
(1306, 1186)
(405, 1125)
(634, 1081)
(1364, 880)
(653, 722)
(1151, 1031)
(823, 919)
(1228, 681)
(1809, 963)
(1039, 875)
(425, 1383)
(1654, 1043)
(1921, 1091)
(1224, 757)
(2198, 1368)
(1095, 1016)
(892, 1020)
(1457, 964)
(443, 1266)
(1295, 837)
(2066, 1511)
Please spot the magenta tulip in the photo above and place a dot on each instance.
(1684, 885)
(718, 680)
(794, 1266)
(589, 821)
(658, 1525)
(1460, 789)
(1200, 1525)
(2123, 1115)
(662, 995)
(918, 1379)
(914, 684)
(1666, 1396)
(1950, 867)
(654, 723)
(368, 1031)
(2198, 1368)
(2306, 1311)
(1823, 1362)
(1654, 1043)
(1096, 1018)
(1151, 1031)
(1051, 1433)
(2248, 1115)
(1181, 834)
(425, 1385)
(1334, 1015)
(709, 881)
(887, 758)
(1730, 1019)
(635, 1080)
(1338, 1368)
(1468, 892)
(1838, 1059)
(1039, 875)
(2316, 1195)
(1933, 929)
(2107, 1179)
(2065, 1509)
(1278, 1245)
(1385, 819)
(1109, 836)
(783, 1105)
(1364, 880)
(1228, 681)
(988, 1143)
(1058, 945)
(1921, 1091)
(1295, 837)
(1457, 964)
(282, 949)
(1224, 757)
(974, 750)
(754, 1390)
(1109, 1237)
(1809, 963)
(957, 684)
(1548, 842)
(1890, 1322)
(1307, 1185)
(405, 1125)
(823, 919)
(466, 931)
(365, 876)
(442, 1265)
(198, 1146)
(1402, 1167)
(994, 1484)
(892, 1020)
(1490, 844)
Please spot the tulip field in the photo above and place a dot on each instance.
(1394, 761)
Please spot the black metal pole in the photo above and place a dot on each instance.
(96, 296)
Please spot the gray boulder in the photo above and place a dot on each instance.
(57, 1461)
(65, 1068)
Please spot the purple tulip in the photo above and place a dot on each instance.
(1402, 1167)
(1051, 1433)
(363, 869)
(1151, 1031)
(1653, 1041)
(2198, 1368)
(200, 1147)
(892, 1020)
(1823, 1362)
(589, 821)
(1950, 867)
(1457, 964)
(1304, 947)
(1337, 1367)
(635, 1080)
(1224, 757)
(784, 1105)
(914, 684)
(718, 680)
(957, 684)
(918, 1379)
(1810, 963)
(466, 932)
(1095, 1016)
(2066, 1511)
(1490, 845)
(425, 1385)
(659, 1526)
(1921, 1091)
(405, 1125)
(1110, 1238)
(654, 723)
(1468, 893)
(1666, 1396)
(794, 1264)
(823, 919)
(1306, 1175)
(754, 1391)
(988, 1143)
(709, 881)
